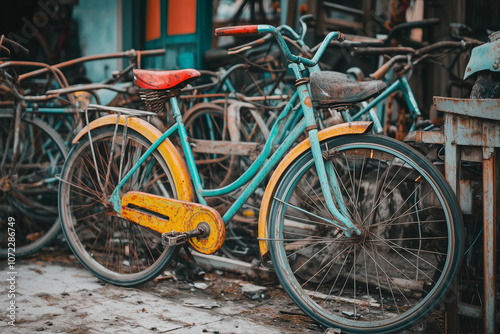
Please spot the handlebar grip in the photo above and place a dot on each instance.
(237, 30)
(379, 74)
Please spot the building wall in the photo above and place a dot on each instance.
(99, 33)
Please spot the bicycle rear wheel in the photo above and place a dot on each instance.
(406, 257)
(28, 186)
(114, 249)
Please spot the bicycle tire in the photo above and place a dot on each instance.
(410, 249)
(28, 187)
(113, 249)
(208, 121)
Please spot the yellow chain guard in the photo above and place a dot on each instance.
(163, 215)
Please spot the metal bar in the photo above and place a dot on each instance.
(452, 172)
(266, 169)
(257, 164)
(209, 262)
(115, 196)
(396, 85)
(483, 108)
(489, 241)
(225, 147)
(129, 53)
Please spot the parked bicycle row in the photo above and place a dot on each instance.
(362, 230)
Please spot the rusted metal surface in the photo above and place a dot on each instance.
(209, 262)
(489, 241)
(164, 215)
(481, 108)
(332, 87)
(472, 133)
(128, 54)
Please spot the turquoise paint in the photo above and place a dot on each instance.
(264, 164)
(115, 196)
(193, 171)
(183, 51)
(257, 164)
(325, 182)
(402, 85)
(266, 169)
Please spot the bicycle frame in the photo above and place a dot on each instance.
(401, 84)
(264, 163)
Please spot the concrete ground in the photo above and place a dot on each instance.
(53, 293)
(60, 296)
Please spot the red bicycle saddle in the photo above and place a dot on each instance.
(163, 80)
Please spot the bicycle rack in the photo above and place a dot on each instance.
(472, 133)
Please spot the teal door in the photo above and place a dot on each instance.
(183, 28)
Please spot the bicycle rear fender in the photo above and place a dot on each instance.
(334, 131)
(167, 150)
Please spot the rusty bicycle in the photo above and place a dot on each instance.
(363, 232)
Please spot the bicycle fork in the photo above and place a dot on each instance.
(326, 173)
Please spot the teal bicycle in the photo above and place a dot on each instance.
(363, 232)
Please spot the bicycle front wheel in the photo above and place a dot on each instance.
(114, 249)
(29, 218)
(410, 246)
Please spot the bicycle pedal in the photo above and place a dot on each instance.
(171, 239)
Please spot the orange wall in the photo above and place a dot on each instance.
(153, 24)
(181, 17)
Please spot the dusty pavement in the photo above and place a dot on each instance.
(54, 294)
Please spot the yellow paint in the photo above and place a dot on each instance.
(334, 131)
(167, 150)
(175, 215)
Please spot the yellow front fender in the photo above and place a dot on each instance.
(167, 150)
(334, 131)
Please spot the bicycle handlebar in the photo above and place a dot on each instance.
(420, 54)
(249, 45)
(264, 28)
(382, 50)
(237, 30)
(127, 54)
(446, 45)
(382, 70)
(282, 28)
(409, 26)
(12, 45)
